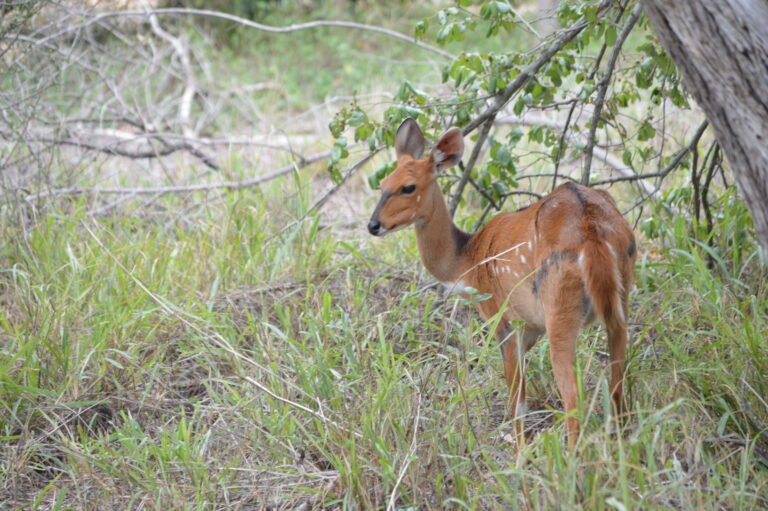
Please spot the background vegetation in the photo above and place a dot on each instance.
(169, 342)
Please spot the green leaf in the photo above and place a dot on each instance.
(646, 131)
(626, 157)
(421, 29)
(519, 105)
(357, 117)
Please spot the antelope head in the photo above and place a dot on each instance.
(409, 194)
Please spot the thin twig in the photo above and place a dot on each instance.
(669, 168)
(697, 178)
(485, 195)
(675, 162)
(91, 19)
(523, 192)
(602, 88)
(601, 53)
(546, 174)
(696, 185)
(601, 154)
(335, 188)
(470, 164)
(561, 144)
(705, 201)
(483, 215)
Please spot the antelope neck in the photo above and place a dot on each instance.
(441, 243)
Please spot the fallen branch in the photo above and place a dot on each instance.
(115, 142)
(162, 190)
(137, 154)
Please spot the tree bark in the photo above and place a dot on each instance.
(721, 47)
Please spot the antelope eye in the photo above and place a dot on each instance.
(408, 189)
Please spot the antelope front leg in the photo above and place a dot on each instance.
(514, 345)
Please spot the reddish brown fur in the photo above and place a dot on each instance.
(551, 265)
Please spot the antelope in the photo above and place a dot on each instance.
(557, 264)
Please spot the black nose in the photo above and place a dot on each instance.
(374, 226)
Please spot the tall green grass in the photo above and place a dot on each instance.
(203, 363)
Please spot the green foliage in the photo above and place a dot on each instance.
(472, 79)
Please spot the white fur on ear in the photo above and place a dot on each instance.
(449, 149)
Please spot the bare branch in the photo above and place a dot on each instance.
(471, 164)
(485, 195)
(601, 154)
(151, 152)
(602, 88)
(190, 88)
(227, 185)
(669, 168)
(561, 144)
(335, 188)
(95, 18)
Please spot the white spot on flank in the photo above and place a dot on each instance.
(517, 275)
(522, 258)
(581, 260)
(529, 245)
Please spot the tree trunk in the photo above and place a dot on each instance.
(721, 47)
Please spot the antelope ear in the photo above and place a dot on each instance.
(409, 140)
(448, 150)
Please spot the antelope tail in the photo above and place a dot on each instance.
(602, 275)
